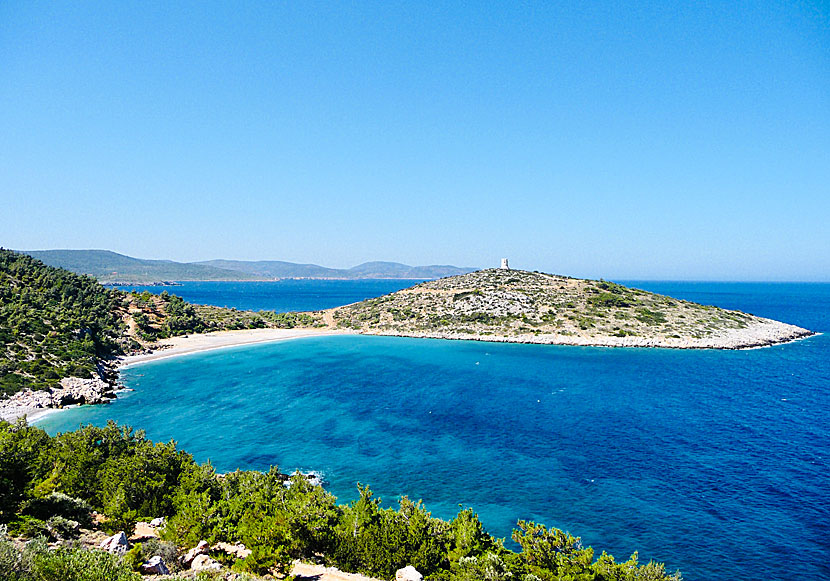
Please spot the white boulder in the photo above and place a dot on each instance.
(204, 563)
(155, 566)
(408, 573)
(201, 549)
(117, 544)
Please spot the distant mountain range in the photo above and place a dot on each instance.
(110, 267)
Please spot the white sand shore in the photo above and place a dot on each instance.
(185, 345)
(10, 413)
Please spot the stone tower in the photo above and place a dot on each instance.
(504, 265)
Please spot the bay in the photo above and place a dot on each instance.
(715, 462)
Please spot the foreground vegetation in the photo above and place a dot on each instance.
(49, 487)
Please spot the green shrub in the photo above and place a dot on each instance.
(62, 528)
(60, 504)
(32, 527)
(486, 567)
(650, 317)
(164, 549)
(134, 559)
(76, 564)
(36, 562)
(610, 300)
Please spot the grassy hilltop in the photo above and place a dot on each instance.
(515, 305)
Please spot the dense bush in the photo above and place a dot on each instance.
(120, 473)
(53, 323)
(59, 504)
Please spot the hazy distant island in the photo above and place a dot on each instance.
(112, 268)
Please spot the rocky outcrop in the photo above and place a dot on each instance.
(144, 531)
(72, 390)
(205, 563)
(155, 566)
(117, 544)
(238, 550)
(201, 548)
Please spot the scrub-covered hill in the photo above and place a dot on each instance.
(532, 307)
(56, 325)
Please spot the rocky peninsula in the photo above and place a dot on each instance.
(516, 306)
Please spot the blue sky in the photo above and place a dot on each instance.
(623, 140)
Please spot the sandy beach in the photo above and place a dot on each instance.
(178, 346)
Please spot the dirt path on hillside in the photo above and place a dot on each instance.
(308, 572)
(328, 318)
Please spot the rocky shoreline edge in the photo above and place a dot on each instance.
(765, 333)
(70, 392)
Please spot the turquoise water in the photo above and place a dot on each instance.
(715, 462)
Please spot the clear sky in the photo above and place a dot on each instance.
(624, 140)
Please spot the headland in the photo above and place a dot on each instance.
(515, 306)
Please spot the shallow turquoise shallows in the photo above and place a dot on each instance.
(715, 462)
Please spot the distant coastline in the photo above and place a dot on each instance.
(115, 269)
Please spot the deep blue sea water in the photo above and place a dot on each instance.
(715, 462)
(280, 295)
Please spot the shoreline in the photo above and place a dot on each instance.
(16, 406)
(768, 333)
(201, 342)
(781, 333)
(737, 342)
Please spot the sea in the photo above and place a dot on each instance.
(716, 463)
